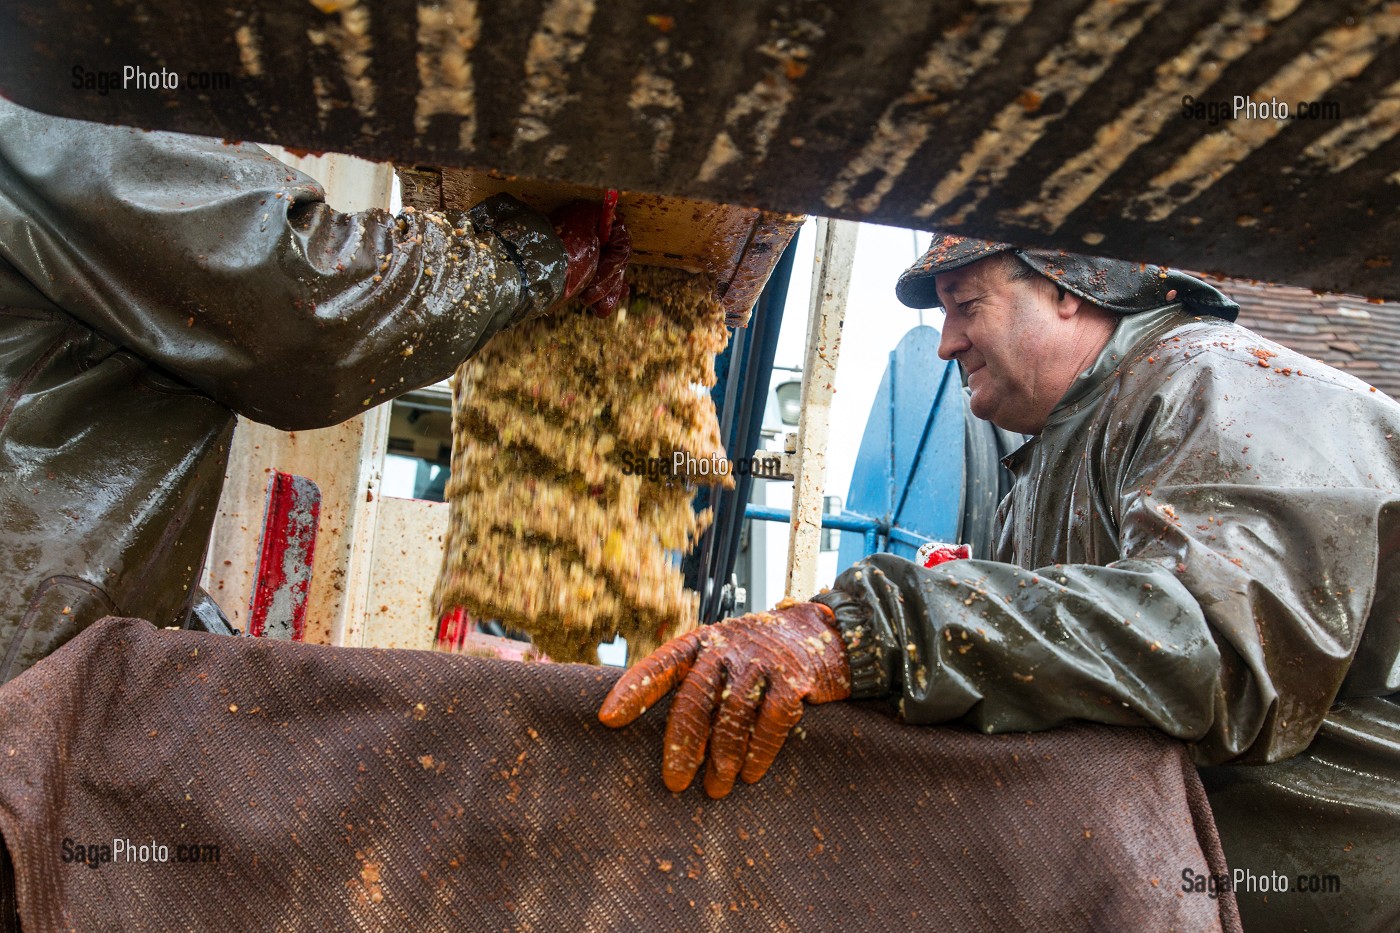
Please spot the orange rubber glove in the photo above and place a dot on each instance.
(757, 669)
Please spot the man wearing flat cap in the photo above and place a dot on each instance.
(1203, 537)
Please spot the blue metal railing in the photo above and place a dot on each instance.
(873, 530)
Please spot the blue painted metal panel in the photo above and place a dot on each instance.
(909, 472)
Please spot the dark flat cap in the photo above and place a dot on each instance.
(1120, 286)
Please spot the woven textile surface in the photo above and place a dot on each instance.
(352, 789)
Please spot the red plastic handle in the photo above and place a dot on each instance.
(609, 209)
(931, 555)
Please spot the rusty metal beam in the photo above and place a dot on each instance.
(1046, 122)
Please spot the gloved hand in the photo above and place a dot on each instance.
(934, 553)
(577, 224)
(608, 289)
(598, 246)
(757, 669)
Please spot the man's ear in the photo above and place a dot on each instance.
(1068, 304)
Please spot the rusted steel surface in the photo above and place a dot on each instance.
(288, 554)
(1050, 123)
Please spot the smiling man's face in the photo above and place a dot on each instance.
(1021, 343)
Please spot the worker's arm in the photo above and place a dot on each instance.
(1250, 564)
(1251, 552)
(225, 267)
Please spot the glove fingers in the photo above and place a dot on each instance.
(619, 243)
(688, 726)
(612, 266)
(602, 286)
(606, 299)
(605, 291)
(781, 710)
(649, 680)
(605, 306)
(729, 739)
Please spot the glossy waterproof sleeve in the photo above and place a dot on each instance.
(1006, 649)
(1252, 555)
(225, 267)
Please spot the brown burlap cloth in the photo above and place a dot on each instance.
(352, 789)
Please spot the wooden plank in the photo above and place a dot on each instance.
(736, 246)
(408, 545)
(831, 279)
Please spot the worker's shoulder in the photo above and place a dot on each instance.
(1218, 354)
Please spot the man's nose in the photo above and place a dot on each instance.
(952, 341)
